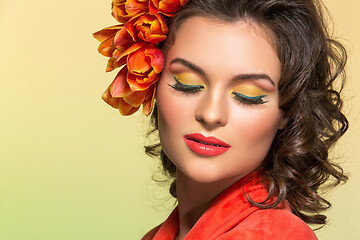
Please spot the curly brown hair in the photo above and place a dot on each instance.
(312, 78)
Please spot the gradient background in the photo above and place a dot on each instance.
(70, 166)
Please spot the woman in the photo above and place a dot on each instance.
(246, 110)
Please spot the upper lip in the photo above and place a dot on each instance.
(198, 137)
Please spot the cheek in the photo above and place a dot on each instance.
(171, 110)
(264, 125)
(174, 115)
(256, 129)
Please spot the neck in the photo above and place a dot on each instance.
(194, 198)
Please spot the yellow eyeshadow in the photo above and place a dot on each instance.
(249, 90)
(189, 79)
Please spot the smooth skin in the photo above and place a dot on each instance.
(233, 71)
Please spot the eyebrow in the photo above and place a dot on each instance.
(250, 76)
(253, 76)
(189, 65)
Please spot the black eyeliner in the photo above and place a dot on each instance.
(249, 100)
(186, 88)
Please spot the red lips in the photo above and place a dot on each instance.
(209, 146)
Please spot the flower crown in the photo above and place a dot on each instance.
(133, 45)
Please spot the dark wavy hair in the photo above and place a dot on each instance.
(312, 77)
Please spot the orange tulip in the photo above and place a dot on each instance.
(135, 99)
(166, 7)
(134, 43)
(106, 37)
(119, 87)
(148, 103)
(144, 62)
(119, 103)
(144, 67)
(120, 96)
(135, 84)
(149, 28)
(123, 10)
(114, 41)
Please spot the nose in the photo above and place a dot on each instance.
(212, 111)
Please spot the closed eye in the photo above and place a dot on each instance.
(185, 87)
(248, 99)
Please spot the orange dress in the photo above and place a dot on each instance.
(231, 216)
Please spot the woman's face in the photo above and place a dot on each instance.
(218, 99)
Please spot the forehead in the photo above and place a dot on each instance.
(228, 48)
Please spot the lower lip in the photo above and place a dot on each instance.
(204, 149)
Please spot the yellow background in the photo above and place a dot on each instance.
(70, 166)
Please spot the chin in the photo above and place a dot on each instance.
(203, 177)
(209, 172)
(206, 174)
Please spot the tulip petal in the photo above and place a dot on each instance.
(135, 99)
(137, 62)
(125, 109)
(150, 77)
(119, 103)
(152, 38)
(118, 11)
(149, 100)
(163, 25)
(123, 10)
(123, 40)
(106, 48)
(132, 6)
(153, 6)
(110, 65)
(150, 28)
(106, 33)
(118, 60)
(130, 27)
(133, 48)
(132, 111)
(157, 58)
(114, 102)
(166, 7)
(138, 84)
(119, 87)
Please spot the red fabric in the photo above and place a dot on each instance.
(231, 216)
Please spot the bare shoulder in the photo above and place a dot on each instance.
(274, 224)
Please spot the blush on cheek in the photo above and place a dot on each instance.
(257, 132)
(265, 127)
(175, 117)
(262, 123)
(172, 112)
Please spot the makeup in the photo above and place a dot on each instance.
(208, 146)
(188, 78)
(249, 94)
(249, 90)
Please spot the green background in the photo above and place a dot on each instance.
(73, 168)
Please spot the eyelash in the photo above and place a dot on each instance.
(193, 89)
(188, 89)
(249, 100)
